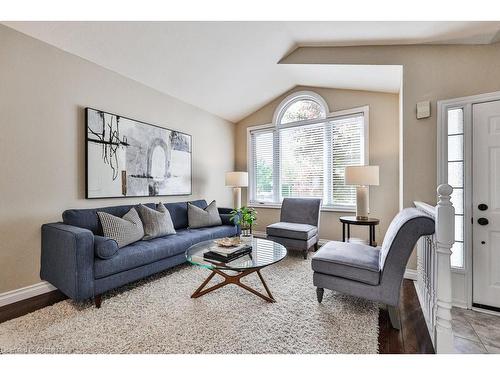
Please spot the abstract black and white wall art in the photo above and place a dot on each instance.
(129, 158)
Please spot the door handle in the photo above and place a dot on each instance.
(482, 221)
(482, 207)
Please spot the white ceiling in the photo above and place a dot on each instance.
(231, 68)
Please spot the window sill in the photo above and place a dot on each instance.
(323, 209)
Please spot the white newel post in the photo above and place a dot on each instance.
(445, 234)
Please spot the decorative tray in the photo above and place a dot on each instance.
(228, 241)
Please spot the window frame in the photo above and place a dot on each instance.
(364, 110)
(294, 98)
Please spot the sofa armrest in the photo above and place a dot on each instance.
(225, 215)
(224, 210)
(67, 259)
(226, 219)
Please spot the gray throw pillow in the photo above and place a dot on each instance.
(124, 230)
(199, 217)
(157, 223)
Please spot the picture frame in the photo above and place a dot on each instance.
(126, 158)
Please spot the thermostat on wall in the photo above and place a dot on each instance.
(423, 109)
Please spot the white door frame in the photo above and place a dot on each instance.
(461, 277)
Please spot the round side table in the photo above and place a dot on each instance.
(351, 220)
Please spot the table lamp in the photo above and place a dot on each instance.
(362, 176)
(237, 180)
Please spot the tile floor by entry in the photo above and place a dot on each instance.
(475, 332)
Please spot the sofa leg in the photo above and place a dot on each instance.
(305, 253)
(98, 301)
(316, 246)
(394, 317)
(319, 294)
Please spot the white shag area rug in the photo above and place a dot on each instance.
(157, 315)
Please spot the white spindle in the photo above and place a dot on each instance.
(434, 270)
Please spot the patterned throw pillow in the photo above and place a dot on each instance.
(199, 217)
(124, 230)
(157, 223)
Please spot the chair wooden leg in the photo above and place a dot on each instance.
(319, 294)
(98, 301)
(394, 317)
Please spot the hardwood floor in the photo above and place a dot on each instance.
(413, 338)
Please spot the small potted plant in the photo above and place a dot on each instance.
(245, 217)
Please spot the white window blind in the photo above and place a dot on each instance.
(307, 160)
(263, 166)
(347, 148)
(301, 161)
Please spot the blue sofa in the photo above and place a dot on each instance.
(82, 264)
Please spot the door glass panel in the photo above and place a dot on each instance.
(456, 174)
(457, 199)
(457, 255)
(459, 228)
(456, 147)
(456, 179)
(456, 121)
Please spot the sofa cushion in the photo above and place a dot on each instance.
(87, 218)
(348, 260)
(157, 223)
(203, 217)
(179, 212)
(292, 230)
(105, 247)
(124, 230)
(219, 231)
(143, 252)
(198, 235)
(146, 252)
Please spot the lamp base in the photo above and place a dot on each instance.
(361, 217)
(362, 202)
(237, 197)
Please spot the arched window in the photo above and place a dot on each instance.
(300, 106)
(304, 151)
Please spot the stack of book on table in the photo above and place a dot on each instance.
(227, 254)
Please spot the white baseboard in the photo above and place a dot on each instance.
(26, 292)
(410, 274)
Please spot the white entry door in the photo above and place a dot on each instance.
(486, 203)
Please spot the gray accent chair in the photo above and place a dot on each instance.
(298, 226)
(372, 273)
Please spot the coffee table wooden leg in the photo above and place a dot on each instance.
(233, 279)
(251, 290)
(197, 291)
(265, 285)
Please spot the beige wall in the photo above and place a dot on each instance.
(384, 151)
(429, 73)
(43, 91)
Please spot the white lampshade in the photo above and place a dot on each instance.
(237, 179)
(362, 175)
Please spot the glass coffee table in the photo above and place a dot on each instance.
(264, 253)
